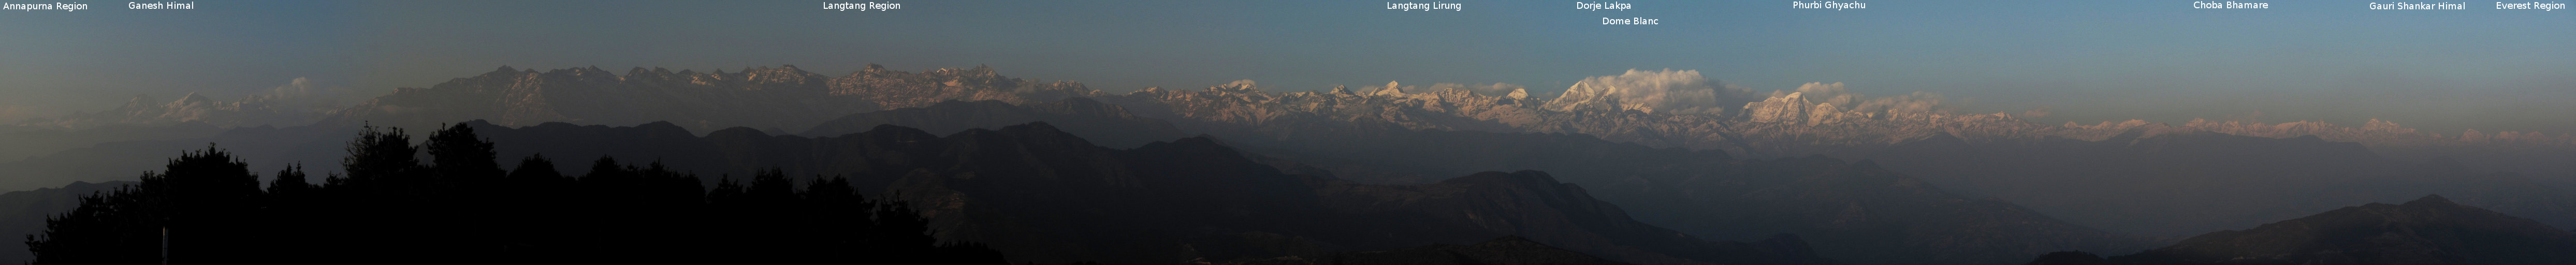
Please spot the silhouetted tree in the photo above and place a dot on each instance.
(900, 229)
(381, 161)
(211, 195)
(535, 168)
(289, 181)
(198, 206)
(535, 180)
(289, 216)
(123, 226)
(463, 159)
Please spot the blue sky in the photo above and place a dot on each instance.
(2441, 70)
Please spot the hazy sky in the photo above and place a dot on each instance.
(2441, 70)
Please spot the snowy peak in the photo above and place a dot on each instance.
(1340, 90)
(1392, 89)
(1586, 97)
(1790, 108)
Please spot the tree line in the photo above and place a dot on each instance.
(207, 206)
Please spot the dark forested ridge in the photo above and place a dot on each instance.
(461, 207)
(2428, 230)
(2182, 184)
(1043, 194)
(1032, 192)
(1101, 123)
(1852, 211)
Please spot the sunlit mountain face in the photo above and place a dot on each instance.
(1135, 132)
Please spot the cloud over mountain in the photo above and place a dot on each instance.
(1836, 94)
(1820, 92)
(1665, 91)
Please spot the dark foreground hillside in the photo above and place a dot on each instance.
(2429, 230)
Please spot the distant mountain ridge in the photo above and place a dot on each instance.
(791, 98)
(300, 102)
(145, 110)
(782, 97)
